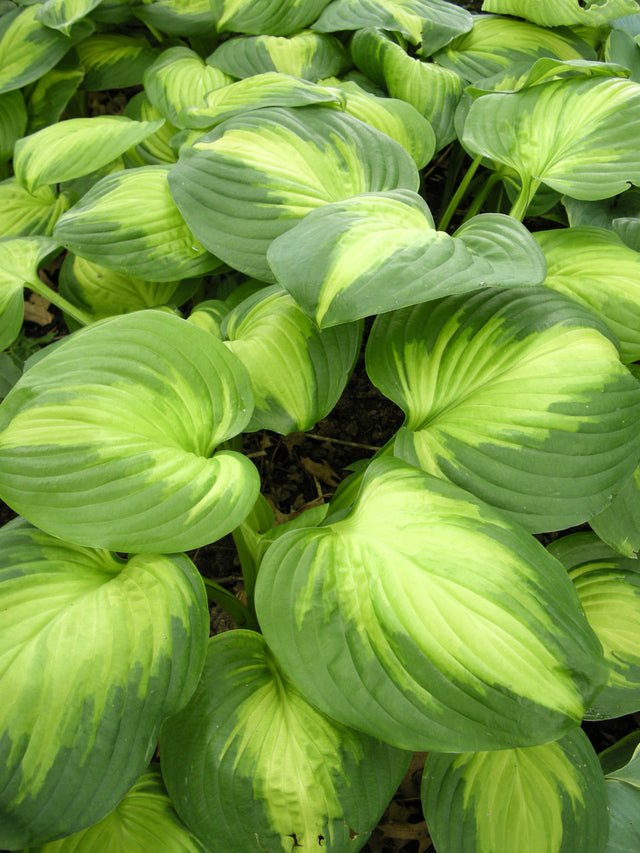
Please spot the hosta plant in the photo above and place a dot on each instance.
(287, 186)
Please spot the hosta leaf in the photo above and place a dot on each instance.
(540, 799)
(554, 13)
(551, 136)
(155, 149)
(609, 589)
(515, 395)
(103, 293)
(270, 89)
(265, 17)
(297, 372)
(621, 47)
(76, 147)
(155, 244)
(306, 54)
(177, 17)
(20, 260)
(498, 44)
(396, 118)
(96, 651)
(25, 213)
(53, 91)
(111, 438)
(28, 49)
(180, 79)
(338, 261)
(255, 175)
(593, 266)
(620, 214)
(144, 818)
(297, 777)
(63, 14)
(433, 22)
(13, 122)
(619, 522)
(114, 60)
(624, 823)
(424, 618)
(433, 90)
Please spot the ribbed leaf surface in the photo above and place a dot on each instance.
(554, 13)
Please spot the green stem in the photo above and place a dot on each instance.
(481, 197)
(459, 193)
(525, 196)
(56, 299)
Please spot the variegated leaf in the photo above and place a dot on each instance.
(53, 91)
(110, 440)
(178, 17)
(518, 396)
(425, 618)
(265, 17)
(96, 651)
(13, 122)
(555, 13)
(25, 213)
(114, 60)
(61, 15)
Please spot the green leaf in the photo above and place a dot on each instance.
(594, 267)
(426, 619)
(624, 810)
(297, 777)
(144, 818)
(25, 213)
(306, 54)
(517, 396)
(109, 648)
(298, 372)
(555, 13)
(619, 522)
(53, 91)
(156, 149)
(541, 799)
(153, 244)
(577, 136)
(338, 261)
(255, 175)
(76, 147)
(265, 17)
(621, 47)
(114, 60)
(177, 17)
(499, 44)
(180, 79)
(61, 15)
(270, 89)
(13, 122)
(430, 22)
(433, 90)
(620, 214)
(126, 416)
(28, 49)
(9, 373)
(609, 589)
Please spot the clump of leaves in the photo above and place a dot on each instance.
(283, 171)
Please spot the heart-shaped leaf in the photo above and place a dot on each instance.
(110, 440)
(516, 395)
(96, 652)
(298, 778)
(424, 618)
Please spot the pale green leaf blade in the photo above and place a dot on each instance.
(498, 44)
(516, 395)
(111, 438)
(156, 244)
(25, 213)
(28, 49)
(338, 261)
(75, 147)
(61, 15)
(555, 13)
(155, 149)
(541, 799)
(265, 17)
(577, 136)
(271, 89)
(180, 79)
(296, 776)
(298, 372)
(114, 60)
(434, 22)
(53, 91)
(433, 90)
(306, 54)
(143, 819)
(593, 266)
(109, 647)
(609, 589)
(13, 122)
(622, 48)
(255, 175)
(425, 618)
